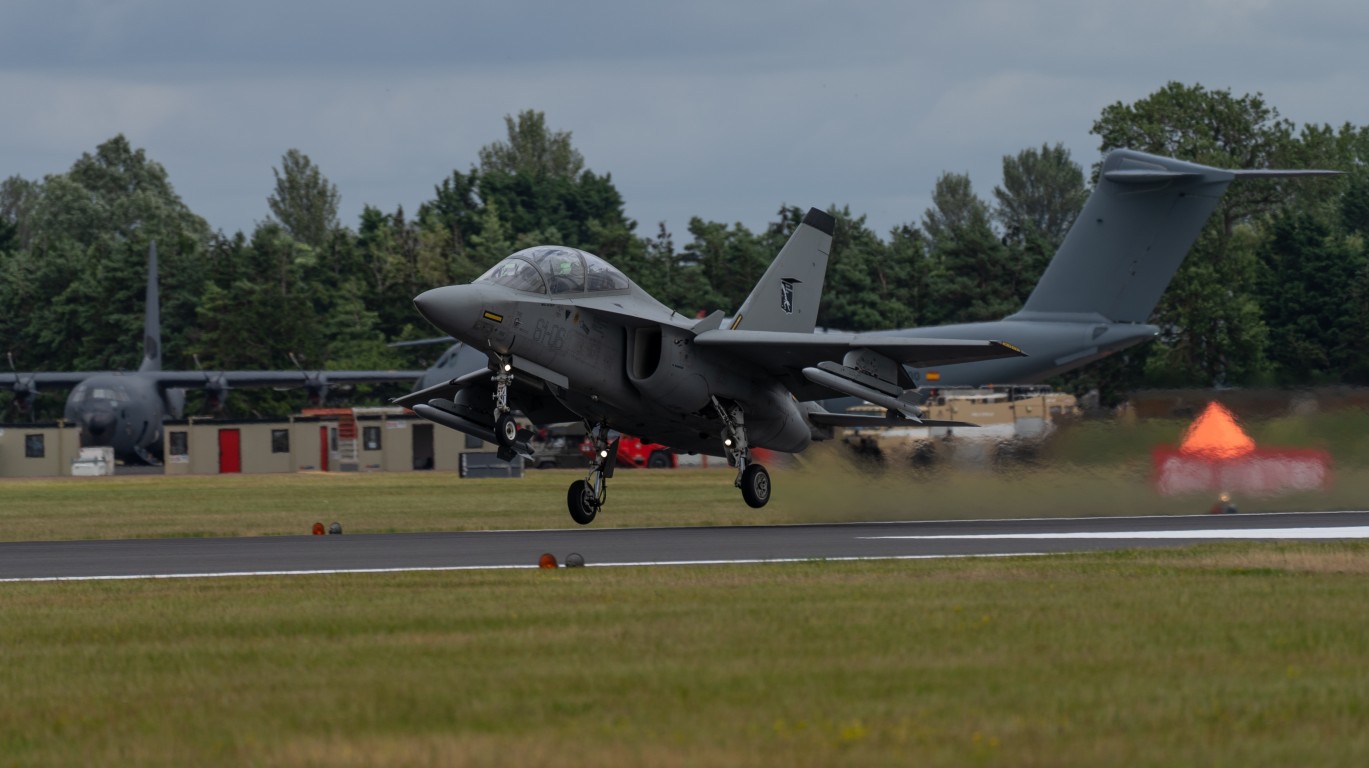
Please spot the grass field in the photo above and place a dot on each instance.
(1220, 655)
(825, 486)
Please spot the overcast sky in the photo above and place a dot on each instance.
(720, 109)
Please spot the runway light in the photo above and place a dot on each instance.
(318, 529)
(574, 560)
(335, 528)
(547, 560)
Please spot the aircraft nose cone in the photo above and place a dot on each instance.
(451, 308)
(97, 424)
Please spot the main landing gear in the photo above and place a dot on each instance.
(585, 497)
(752, 478)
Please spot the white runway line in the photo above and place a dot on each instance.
(529, 566)
(1345, 532)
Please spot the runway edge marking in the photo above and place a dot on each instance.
(534, 566)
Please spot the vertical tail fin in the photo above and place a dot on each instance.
(788, 294)
(1134, 232)
(152, 317)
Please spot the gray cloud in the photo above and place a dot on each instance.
(722, 110)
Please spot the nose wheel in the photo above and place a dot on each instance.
(585, 497)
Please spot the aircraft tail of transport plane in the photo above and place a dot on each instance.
(1100, 288)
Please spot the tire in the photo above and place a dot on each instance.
(582, 508)
(755, 486)
(658, 460)
(506, 430)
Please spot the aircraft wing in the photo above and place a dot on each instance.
(778, 351)
(446, 390)
(192, 379)
(65, 379)
(786, 355)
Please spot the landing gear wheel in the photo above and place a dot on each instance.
(583, 506)
(506, 429)
(755, 485)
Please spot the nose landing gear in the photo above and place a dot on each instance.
(513, 441)
(585, 497)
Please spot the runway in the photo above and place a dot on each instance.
(284, 555)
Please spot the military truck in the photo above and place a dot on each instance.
(1012, 423)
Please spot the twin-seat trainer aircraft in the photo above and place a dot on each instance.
(125, 410)
(569, 337)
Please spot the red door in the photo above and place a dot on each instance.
(323, 449)
(230, 451)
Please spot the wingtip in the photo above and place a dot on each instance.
(820, 220)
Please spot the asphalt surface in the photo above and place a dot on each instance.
(152, 558)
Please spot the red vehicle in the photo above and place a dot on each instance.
(632, 452)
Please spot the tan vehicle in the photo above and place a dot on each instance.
(1011, 420)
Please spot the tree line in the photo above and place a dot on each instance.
(1276, 291)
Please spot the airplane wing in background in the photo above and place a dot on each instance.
(192, 379)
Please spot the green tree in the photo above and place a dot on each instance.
(1313, 301)
(532, 150)
(304, 201)
(18, 198)
(1042, 193)
(80, 272)
(955, 207)
(731, 258)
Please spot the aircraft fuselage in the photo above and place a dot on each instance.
(641, 375)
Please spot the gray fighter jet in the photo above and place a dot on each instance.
(569, 337)
(125, 410)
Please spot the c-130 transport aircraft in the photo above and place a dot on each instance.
(569, 337)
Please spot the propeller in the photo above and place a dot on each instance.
(315, 382)
(25, 388)
(215, 387)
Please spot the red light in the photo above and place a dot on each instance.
(547, 560)
(318, 529)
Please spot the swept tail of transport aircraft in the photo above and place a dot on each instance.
(1102, 285)
(125, 410)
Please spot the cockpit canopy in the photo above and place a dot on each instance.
(557, 270)
(94, 390)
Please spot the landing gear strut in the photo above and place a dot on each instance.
(505, 428)
(585, 497)
(752, 478)
(512, 440)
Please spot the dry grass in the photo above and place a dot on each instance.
(825, 486)
(1242, 654)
